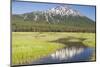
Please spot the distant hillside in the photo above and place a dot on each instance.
(57, 19)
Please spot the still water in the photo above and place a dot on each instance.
(72, 54)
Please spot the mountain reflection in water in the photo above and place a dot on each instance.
(72, 54)
(66, 53)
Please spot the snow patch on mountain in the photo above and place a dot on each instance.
(64, 10)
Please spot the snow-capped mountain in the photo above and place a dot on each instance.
(64, 10)
(55, 14)
(59, 18)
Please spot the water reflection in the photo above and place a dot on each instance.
(72, 54)
(66, 53)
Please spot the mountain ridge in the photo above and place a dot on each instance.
(60, 17)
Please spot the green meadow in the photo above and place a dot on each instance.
(29, 46)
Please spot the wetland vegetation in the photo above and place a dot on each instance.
(30, 46)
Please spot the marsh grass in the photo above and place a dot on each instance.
(30, 46)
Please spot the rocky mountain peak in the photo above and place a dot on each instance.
(64, 10)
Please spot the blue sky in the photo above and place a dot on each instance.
(24, 7)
